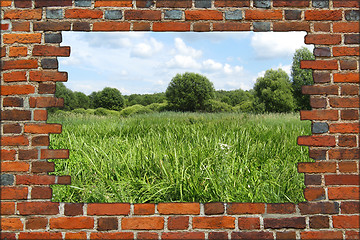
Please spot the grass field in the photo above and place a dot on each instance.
(181, 157)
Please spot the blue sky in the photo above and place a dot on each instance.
(145, 62)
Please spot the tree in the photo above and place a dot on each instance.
(274, 91)
(109, 98)
(82, 101)
(62, 91)
(189, 92)
(301, 77)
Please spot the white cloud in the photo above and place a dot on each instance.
(146, 49)
(183, 62)
(269, 45)
(211, 65)
(183, 49)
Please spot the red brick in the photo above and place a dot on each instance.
(11, 38)
(108, 209)
(347, 141)
(324, 39)
(248, 223)
(350, 90)
(344, 128)
(178, 223)
(179, 208)
(319, 208)
(223, 222)
(40, 141)
(174, 4)
(40, 115)
(214, 208)
(14, 141)
(171, 26)
(81, 26)
(17, 193)
(7, 208)
(40, 235)
(7, 154)
(183, 235)
(5, 3)
(17, 90)
(11, 224)
(320, 90)
(109, 223)
(201, 27)
(14, 166)
(28, 154)
(350, 207)
(113, 3)
(319, 115)
(321, 15)
(263, 14)
(141, 26)
(2, 50)
(147, 235)
(111, 26)
(46, 88)
(16, 115)
(112, 235)
(13, 102)
(41, 50)
(218, 235)
(245, 208)
(19, 64)
(203, 15)
(4, 26)
(83, 13)
(316, 102)
(311, 179)
(346, 77)
(42, 102)
(142, 223)
(349, 114)
(42, 166)
(347, 27)
(64, 180)
(348, 167)
(54, 153)
(35, 179)
(277, 223)
(316, 141)
(75, 235)
(52, 26)
(44, 76)
(314, 193)
(144, 209)
(321, 77)
(252, 235)
(346, 221)
(291, 26)
(286, 235)
(52, 3)
(318, 222)
(42, 128)
(343, 193)
(347, 3)
(352, 235)
(321, 235)
(23, 3)
(72, 223)
(18, 51)
(342, 179)
(280, 208)
(28, 14)
(41, 193)
(14, 77)
(317, 167)
(232, 3)
(73, 209)
(344, 154)
(321, 27)
(151, 15)
(36, 223)
(293, 3)
(346, 51)
(319, 64)
(231, 26)
(21, 27)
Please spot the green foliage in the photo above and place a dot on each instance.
(301, 77)
(134, 109)
(233, 97)
(158, 107)
(79, 111)
(180, 157)
(189, 92)
(62, 91)
(213, 106)
(101, 112)
(109, 98)
(82, 101)
(145, 99)
(274, 91)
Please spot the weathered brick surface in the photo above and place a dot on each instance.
(31, 37)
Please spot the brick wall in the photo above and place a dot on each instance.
(31, 36)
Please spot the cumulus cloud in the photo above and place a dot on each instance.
(146, 49)
(269, 45)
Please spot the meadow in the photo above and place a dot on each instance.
(180, 157)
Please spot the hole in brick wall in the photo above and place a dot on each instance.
(142, 151)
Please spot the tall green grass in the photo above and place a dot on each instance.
(181, 157)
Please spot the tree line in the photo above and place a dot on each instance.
(276, 91)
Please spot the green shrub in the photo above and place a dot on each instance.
(101, 112)
(217, 106)
(79, 111)
(90, 111)
(158, 107)
(134, 109)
